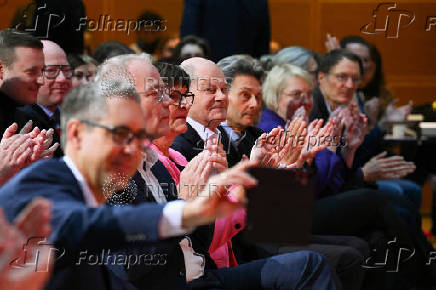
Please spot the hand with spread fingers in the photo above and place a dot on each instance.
(20, 150)
(266, 148)
(31, 224)
(15, 152)
(316, 140)
(381, 167)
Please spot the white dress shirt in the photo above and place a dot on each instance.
(170, 224)
(194, 262)
(202, 131)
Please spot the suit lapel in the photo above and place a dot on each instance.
(165, 180)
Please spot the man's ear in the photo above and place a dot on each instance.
(74, 131)
(321, 76)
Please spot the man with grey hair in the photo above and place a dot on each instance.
(103, 137)
(245, 76)
(299, 56)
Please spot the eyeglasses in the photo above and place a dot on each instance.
(161, 93)
(79, 75)
(299, 96)
(51, 72)
(180, 99)
(122, 135)
(343, 78)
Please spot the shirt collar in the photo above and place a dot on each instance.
(234, 136)
(150, 157)
(46, 111)
(328, 107)
(87, 193)
(203, 131)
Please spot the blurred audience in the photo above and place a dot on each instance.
(109, 49)
(191, 46)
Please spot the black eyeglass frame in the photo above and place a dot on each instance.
(125, 140)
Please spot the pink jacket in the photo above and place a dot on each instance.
(220, 249)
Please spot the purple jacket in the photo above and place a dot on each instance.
(332, 172)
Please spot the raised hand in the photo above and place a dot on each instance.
(393, 114)
(266, 148)
(15, 150)
(372, 111)
(33, 221)
(212, 202)
(316, 140)
(331, 43)
(195, 175)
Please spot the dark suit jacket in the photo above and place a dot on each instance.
(42, 121)
(230, 26)
(201, 239)
(244, 144)
(76, 227)
(10, 113)
(189, 144)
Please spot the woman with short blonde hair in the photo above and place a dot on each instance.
(286, 88)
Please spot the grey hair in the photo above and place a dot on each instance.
(89, 102)
(295, 55)
(115, 68)
(241, 64)
(276, 81)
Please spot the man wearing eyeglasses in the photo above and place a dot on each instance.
(103, 136)
(57, 74)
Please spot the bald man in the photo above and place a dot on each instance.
(56, 79)
(208, 110)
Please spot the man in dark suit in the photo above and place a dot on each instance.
(245, 28)
(103, 137)
(207, 112)
(190, 254)
(21, 64)
(57, 74)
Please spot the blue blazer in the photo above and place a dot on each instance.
(77, 227)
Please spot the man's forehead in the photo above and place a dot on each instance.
(346, 65)
(144, 73)
(55, 58)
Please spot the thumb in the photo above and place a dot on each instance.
(381, 155)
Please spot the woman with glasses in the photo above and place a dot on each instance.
(287, 88)
(84, 69)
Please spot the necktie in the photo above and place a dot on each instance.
(56, 120)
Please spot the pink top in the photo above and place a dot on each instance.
(220, 249)
(175, 156)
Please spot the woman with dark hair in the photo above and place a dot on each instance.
(192, 46)
(84, 69)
